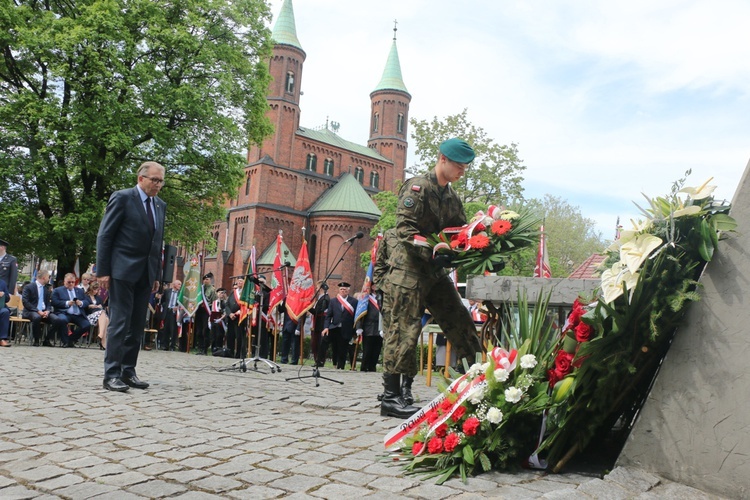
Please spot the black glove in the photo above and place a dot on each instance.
(442, 260)
(496, 267)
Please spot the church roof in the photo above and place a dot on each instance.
(346, 197)
(328, 137)
(269, 255)
(285, 30)
(392, 79)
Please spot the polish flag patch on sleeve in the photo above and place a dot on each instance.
(416, 188)
(420, 241)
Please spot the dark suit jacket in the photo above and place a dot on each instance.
(60, 298)
(124, 245)
(338, 317)
(30, 297)
(9, 272)
(166, 298)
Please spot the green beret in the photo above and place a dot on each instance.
(457, 150)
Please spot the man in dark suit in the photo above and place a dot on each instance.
(339, 324)
(169, 306)
(8, 267)
(128, 263)
(68, 303)
(236, 330)
(37, 307)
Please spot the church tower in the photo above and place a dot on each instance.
(389, 117)
(284, 91)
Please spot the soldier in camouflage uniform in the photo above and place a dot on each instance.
(427, 204)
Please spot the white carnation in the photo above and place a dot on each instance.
(513, 395)
(501, 375)
(477, 395)
(494, 415)
(528, 361)
(475, 370)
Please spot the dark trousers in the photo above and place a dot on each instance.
(333, 339)
(217, 336)
(371, 346)
(202, 330)
(237, 338)
(169, 332)
(260, 340)
(4, 323)
(289, 347)
(82, 326)
(58, 324)
(127, 314)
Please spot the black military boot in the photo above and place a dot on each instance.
(392, 405)
(406, 389)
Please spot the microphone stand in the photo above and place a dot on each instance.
(242, 364)
(315, 371)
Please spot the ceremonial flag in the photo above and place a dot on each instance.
(277, 280)
(365, 296)
(254, 271)
(191, 293)
(77, 269)
(247, 294)
(302, 287)
(542, 269)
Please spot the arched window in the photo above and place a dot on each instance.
(359, 174)
(375, 122)
(400, 123)
(328, 166)
(374, 178)
(312, 162)
(247, 186)
(290, 82)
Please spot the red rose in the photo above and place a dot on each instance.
(451, 442)
(479, 227)
(562, 362)
(435, 445)
(575, 315)
(441, 430)
(416, 447)
(583, 332)
(458, 413)
(500, 227)
(479, 241)
(471, 425)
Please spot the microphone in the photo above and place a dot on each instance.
(357, 236)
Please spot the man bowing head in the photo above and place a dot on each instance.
(128, 262)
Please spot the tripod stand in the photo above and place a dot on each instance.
(324, 286)
(242, 364)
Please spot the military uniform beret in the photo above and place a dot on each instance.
(457, 150)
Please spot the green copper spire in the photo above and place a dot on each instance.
(391, 79)
(285, 30)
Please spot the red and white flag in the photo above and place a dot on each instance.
(277, 279)
(542, 269)
(302, 287)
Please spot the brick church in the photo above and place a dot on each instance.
(312, 178)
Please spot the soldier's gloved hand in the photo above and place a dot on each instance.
(443, 260)
(496, 267)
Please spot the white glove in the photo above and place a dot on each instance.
(382, 335)
(296, 332)
(359, 331)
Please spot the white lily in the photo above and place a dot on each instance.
(636, 251)
(691, 210)
(701, 192)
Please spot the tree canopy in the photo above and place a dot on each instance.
(89, 89)
(494, 177)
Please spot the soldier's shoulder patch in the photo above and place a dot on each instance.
(416, 188)
(408, 202)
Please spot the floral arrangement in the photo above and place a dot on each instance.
(648, 278)
(489, 417)
(571, 389)
(479, 246)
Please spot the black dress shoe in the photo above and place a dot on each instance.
(115, 384)
(47, 343)
(134, 381)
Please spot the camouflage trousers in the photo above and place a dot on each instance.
(403, 306)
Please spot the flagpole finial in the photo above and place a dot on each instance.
(303, 232)
(281, 232)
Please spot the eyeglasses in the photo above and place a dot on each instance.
(155, 180)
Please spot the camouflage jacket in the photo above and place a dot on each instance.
(424, 209)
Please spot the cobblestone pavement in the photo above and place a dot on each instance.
(199, 433)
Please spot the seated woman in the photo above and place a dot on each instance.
(94, 307)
